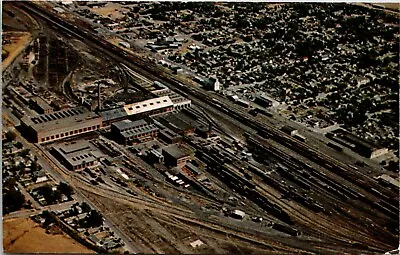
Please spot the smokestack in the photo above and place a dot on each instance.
(98, 96)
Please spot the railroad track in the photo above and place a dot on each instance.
(336, 167)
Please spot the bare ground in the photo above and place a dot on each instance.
(26, 236)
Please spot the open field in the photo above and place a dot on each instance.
(23, 235)
(393, 6)
(13, 44)
(111, 10)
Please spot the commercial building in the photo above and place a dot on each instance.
(128, 132)
(59, 104)
(21, 94)
(60, 124)
(175, 155)
(211, 83)
(75, 156)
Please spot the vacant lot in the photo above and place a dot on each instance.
(111, 10)
(13, 44)
(24, 235)
(393, 6)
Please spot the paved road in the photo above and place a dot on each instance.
(28, 213)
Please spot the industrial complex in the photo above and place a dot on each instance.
(200, 127)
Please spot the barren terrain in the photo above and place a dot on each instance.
(24, 235)
(13, 44)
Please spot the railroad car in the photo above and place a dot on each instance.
(285, 229)
(335, 146)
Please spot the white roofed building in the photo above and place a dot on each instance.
(150, 107)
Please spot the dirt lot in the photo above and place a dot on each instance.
(13, 44)
(155, 231)
(109, 10)
(15, 19)
(393, 6)
(24, 235)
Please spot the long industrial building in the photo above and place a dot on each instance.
(138, 110)
(61, 124)
(76, 156)
(129, 132)
(179, 101)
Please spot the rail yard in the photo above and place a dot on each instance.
(159, 164)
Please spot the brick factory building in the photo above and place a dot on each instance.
(75, 156)
(61, 124)
(149, 107)
(128, 132)
(175, 155)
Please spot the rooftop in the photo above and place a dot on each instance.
(41, 103)
(58, 119)
(148, 105)
(139, 131)
(76, 153)
(113, 114)
(358, 141)
(127, 124)
(176, 151)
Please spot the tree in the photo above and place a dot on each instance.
(65, 189)
(34, 177)
(19, 145)
(25, 152)
(10, 135)
(13, 200)
(85, 207)
(94, 219)
(35, 167)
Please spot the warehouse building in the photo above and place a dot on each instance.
(179, 123)
(61, 124)
(150, 107)
(75, 156)
(175, 155)
(113, 115)
(179, 101)
(169, 136)
(128, 132)
(39, 105)
(363, 147)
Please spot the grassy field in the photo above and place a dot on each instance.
(26, 236)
